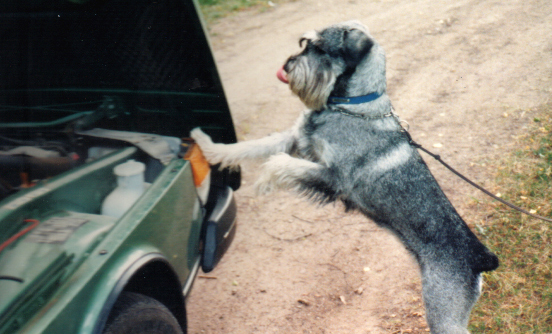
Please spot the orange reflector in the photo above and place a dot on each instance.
(200, 166)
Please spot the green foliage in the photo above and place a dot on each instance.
(214, 9)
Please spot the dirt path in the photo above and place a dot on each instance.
(465, 74)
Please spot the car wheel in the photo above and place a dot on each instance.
(134, 313)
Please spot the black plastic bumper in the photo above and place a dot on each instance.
(220, 229)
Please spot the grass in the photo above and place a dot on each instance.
(215, 9)
(517, 298)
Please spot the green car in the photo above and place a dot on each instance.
(107, 210)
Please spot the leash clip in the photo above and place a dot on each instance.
(405, 126)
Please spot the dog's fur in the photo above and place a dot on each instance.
(354, 153)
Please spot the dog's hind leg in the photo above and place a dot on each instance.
(450, 290)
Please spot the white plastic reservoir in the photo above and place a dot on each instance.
(130, 186)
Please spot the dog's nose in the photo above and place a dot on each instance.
(282, 75)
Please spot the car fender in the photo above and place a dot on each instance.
(131, 273)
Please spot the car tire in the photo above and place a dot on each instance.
(134, 313)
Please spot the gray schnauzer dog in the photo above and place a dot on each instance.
(349, 146)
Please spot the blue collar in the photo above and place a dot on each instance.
(353, 100)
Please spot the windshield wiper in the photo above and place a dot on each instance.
(111, 107)
(58, 121)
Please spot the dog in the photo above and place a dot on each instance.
(349, 146)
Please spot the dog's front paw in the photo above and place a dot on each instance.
(276, 174)
(267, 181)
(209, 149)
(201, 138)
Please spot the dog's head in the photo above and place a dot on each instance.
(341, 60)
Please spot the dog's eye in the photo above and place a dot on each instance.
(316, 48)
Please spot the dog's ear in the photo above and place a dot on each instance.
(356, 45)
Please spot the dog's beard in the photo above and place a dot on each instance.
(311, 82)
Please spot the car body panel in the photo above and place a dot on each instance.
(152, 226)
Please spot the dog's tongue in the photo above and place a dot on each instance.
(281, 74)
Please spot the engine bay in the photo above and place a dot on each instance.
(31, 152)
(26, 158)
(32, 156)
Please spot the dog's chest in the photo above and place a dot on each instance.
(313, 148)
(322, 137)
(311, 144)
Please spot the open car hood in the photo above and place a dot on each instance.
(139, 67)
